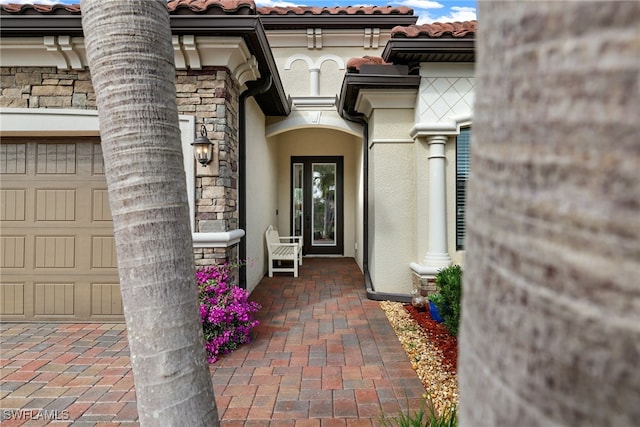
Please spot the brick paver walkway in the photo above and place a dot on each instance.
(324, 355)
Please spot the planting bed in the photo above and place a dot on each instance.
(438, 334)
(431, 351)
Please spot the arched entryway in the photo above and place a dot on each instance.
(322, 135)
(319, 189)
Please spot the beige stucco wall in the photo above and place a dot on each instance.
(392, 199)
(262, 192)
(359, 206)
(296, 77)
(422, 199)
(321, 142)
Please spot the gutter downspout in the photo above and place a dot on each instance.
(261, 88)
(371, 293)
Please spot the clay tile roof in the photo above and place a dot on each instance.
(224, 6)
(204, 6)
(48, 9)
(436, 30)
(174, 6)
(348, 10)
(354, 64)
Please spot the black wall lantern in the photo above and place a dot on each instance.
(203, 148)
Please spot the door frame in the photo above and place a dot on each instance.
(307, 161)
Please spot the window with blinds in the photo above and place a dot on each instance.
(463, 155)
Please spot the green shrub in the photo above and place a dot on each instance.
(437, 299)
(449, 282)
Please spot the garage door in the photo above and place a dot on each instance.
(57, 251)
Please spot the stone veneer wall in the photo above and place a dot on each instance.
(46, 87)
(209, 94)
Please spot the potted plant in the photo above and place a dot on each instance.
(435, 300)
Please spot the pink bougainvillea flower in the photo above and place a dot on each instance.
(225, 311)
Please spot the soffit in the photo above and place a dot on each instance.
(383, 78)
(392, 98)
(413, 51)
(437, 42)
(367, 38)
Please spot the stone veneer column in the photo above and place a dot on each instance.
(437, 255)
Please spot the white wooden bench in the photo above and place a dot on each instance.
(283, 248)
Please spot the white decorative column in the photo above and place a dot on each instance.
(314, 75)
(437, 253)
(437, 256)
(444, 105)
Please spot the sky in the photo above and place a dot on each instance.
(428, 11)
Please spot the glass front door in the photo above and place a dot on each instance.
(317, 203)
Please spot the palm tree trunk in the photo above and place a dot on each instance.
(130, 56)
(550, 331)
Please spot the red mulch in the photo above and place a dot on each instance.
(437, 334)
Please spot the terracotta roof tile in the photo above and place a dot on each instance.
(436, 30)
(204, 6)
(48, 9)
(174, 6)
(348, 10)
(354, 64)
(226, 6)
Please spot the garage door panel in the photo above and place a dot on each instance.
(103, 252)
(56, 159)
(55, 251)
(54, 299)
(100, 205)
(12, 299)
(13, 158)
(56, 205)
(106, 299)
(12, 251)
(12, 204)
(97, 161)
